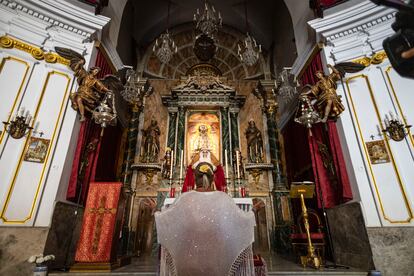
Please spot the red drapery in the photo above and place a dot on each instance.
(87, 149)
(219, 179)
(331, 177)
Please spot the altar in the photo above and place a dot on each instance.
(207, 136)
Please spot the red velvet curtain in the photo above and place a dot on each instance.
(87, 149)
(331, 177)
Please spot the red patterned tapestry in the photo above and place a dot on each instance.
(98, 231)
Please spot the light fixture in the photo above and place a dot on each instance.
(283, 85)
(305, 113)
(104, 114)
(165, 47)
(209, 20)
(135, 89)
(395, 129)
(19, 125)
(249, 51)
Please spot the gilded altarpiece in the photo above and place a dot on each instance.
(203, 101)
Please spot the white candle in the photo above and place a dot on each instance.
(22, 111)
(238, 164)
(172, 164)
(225, 161)
(181, 164)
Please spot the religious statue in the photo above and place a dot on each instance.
(166, 167)
(151, 143)
(202, 142)
(328, 103)
(254, 143)
(91, 90)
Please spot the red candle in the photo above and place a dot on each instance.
(172, 192)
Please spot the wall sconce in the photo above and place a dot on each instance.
(19, 125)
(395, 129)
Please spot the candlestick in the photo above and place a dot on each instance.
(225, 161)
(172, 164)
(181, 164)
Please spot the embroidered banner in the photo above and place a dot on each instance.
(99, 223)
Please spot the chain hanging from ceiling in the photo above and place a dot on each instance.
(249, 51)
(165, 47)
(208, 21)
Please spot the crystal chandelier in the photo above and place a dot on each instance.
(249, 51)
(165, 47)
(209, 20)
(284, 87)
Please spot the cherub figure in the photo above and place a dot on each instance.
(91, 89)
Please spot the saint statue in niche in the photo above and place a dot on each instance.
(254, 143)
(151, 143)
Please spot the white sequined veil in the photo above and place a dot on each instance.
(205, 234)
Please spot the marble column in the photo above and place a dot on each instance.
(279, 187)
(172, 127)
(225, 131)
(234, 129)
(130, 149)
(180, 133)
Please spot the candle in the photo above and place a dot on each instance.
(36, 128)
(172, 164)
(392, 116)
(22, 111)
(225, 161)
(238, 164)
(181, 164)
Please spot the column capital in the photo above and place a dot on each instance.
(265, 92)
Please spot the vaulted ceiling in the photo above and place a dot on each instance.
(269, 22)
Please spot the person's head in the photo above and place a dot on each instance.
(202, 128)
(94, 71)
(319, 75)
(252, 123)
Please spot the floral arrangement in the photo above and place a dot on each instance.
(41, 260)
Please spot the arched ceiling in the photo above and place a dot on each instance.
(225, 59)
(269, 22)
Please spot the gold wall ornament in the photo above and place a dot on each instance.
(376, 58)
(36, 52)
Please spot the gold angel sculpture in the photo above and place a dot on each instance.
(91, 90)
(328, 102)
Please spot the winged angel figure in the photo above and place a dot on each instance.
(91, 90)
(328, 102)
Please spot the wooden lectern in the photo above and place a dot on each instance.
(304, 190)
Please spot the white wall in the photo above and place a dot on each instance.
(385, 190)
(28, 190)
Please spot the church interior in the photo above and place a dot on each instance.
(204, 137)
